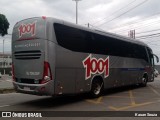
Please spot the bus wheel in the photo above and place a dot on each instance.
(96, 89)
(144, 81)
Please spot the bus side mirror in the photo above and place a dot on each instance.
(157, 58)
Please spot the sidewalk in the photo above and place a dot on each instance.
(6, 85)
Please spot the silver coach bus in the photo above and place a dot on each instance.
(54, 57)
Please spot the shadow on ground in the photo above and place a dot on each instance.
(52, 102)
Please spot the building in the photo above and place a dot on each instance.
(5, 60)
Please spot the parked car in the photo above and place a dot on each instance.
(156, 73)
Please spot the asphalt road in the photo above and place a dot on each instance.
(130, 98)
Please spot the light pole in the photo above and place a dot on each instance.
(3, 58)
(3, 54)
(76, 10)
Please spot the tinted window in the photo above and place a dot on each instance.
(111, 46)
(150, 55)
(71, 38)
(84, 41)
(140, 52)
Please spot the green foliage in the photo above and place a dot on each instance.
(4, 25)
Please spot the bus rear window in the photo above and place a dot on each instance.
(29, 29)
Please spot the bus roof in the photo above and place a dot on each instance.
(112, 35)
(120, 37)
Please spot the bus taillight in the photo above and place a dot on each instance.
(47, 75)
(13, 75)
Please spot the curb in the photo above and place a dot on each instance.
(7, 90)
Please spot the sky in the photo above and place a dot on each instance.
(116, 16)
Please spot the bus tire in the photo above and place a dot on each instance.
(144, 81)
(96, 88)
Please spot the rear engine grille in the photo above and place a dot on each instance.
(25, 55)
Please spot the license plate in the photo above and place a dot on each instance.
(26, 88)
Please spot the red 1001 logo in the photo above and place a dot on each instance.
(27, 29)
(94, 66)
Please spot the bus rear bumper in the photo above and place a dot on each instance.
(35, 89)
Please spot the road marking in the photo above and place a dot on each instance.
(4, 106)
(155, 91)
(130, 106)
(131, 97)
(96, 101)
(8, 94)
(118, 96)
(8, 80)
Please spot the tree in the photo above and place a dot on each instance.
(4, 25)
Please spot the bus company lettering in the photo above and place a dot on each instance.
(27, 29)
(93, 66)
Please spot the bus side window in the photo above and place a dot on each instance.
(150, 55)
(71, 38)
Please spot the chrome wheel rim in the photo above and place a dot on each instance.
(97, 89)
